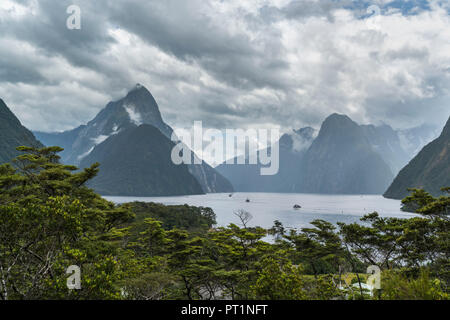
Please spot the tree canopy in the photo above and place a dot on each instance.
(50, 220)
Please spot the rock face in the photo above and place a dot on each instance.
(429, 170)
(13, 135)
(136, 162)
(345, 158)
(341, 160)
(292, 147)
(136, 108)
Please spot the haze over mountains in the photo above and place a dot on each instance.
(429, 170)
(386, 142)
(292, 148)
(345, 158)
(132, 143)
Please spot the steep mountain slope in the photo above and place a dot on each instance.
(248, 178)
(136, 162)
(342, 161)
(430, 169)
(13, 135)
(385, 141)
(136, 108)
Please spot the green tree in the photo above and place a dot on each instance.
(49, 220)
(318, 248)
(279, 280)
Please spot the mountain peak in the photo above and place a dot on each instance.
(338, 125)
(338, 117)
(306, 132)
(138, 87)
(298, 140)
(142, 108)
(141, 92)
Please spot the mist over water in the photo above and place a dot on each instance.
(268, 207)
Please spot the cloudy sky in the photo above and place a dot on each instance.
(235, 64)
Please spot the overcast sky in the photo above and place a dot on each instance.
(235, 64)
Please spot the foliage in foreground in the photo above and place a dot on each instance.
(49, 221)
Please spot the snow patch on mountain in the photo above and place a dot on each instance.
(115, 130)
(100, 139)
(103, 137)
(80, 157)
(135, 116)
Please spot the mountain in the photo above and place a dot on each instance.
(247, 178)
(13, 135)
(346, 158)
(429, 170)
(414, 139)
(136, 162)
(386, 142)
(62, 139)
(136, 108)
(341, 160)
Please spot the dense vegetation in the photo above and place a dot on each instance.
(50, 220)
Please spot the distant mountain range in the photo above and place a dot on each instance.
(412, 140)
(13, 135)
(386, 142)
(345, 158)
(137, 108)
(429, 170)
(292, 148)
(132, 143)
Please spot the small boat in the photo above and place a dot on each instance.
(248, 200)
(230, 195)
(297, 206)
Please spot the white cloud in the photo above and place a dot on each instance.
(228, 63)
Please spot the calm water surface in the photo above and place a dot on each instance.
(267, 207)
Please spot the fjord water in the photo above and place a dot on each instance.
(268, 207)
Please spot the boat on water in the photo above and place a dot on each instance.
(297, 206)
